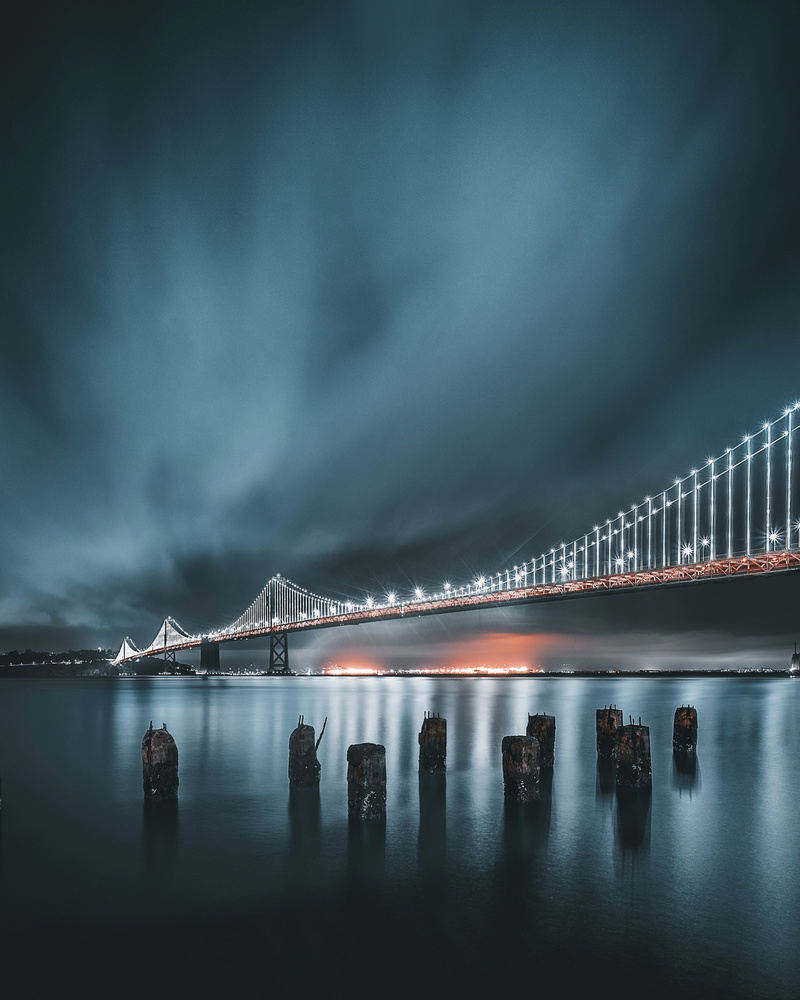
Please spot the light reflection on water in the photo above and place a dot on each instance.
(699, 878)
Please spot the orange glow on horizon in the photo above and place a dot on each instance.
(491, 652)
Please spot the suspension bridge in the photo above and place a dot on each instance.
(733, 515)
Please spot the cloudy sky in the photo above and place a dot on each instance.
(375, 294)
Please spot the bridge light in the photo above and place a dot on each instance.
(418, 593)
(447, 587)
(391, 597)
(370, 602)
(687, 551)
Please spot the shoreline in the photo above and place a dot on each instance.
(411, 674)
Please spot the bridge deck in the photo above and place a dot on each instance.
(768, 562)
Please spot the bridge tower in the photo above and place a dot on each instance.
(209, 656)
(279, 653)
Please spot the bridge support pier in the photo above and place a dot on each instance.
(279, 653)
(209, 657)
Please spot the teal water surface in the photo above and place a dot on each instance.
(243, 888)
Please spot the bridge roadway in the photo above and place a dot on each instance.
(768, 562)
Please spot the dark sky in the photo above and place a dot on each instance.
(377, 294)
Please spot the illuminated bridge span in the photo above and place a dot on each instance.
(733, 515)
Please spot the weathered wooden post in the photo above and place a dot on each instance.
(159, 764)
(304, 767)
(633, 756)
(366, 781)
(543, 727)
(684, 730)
(520, 768)
(433, 744)
(609, 723)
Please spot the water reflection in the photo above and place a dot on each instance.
(606, 780)
(305, 822)
(366, 858)
(518, 884)
(159, 836)
(526, 828)
(431, 842)
(633, 819)
(685, 772)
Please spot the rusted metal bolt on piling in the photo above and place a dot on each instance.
(366, 781)
(433, 745)
(684, 730)
(159, 764)
(609, 723)
(520, 768)
(543, 727)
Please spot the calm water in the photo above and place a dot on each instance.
(693, 891)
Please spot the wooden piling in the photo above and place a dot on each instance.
(304, 768)
(684, 730)
(159, 764)
(366, 781)
(543, 727)
(609, 723)
(433, 745)
(633, 757)
(520, 768)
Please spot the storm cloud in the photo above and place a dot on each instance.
(373, 294)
